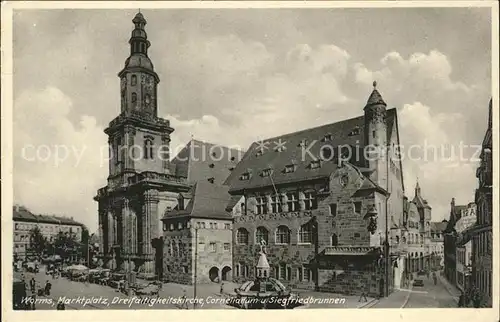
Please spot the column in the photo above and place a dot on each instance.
(125, 227)
(269, 204)
(165, 142)
(110, 230)
(130, 152)
(150, 220)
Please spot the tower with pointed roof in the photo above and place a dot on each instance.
(140, 185)
(376, 136)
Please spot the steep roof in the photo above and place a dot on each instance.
(439, 226)
(455, 215)
(209, 201)
(348, 132)
(202, 161)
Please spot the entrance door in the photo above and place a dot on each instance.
(213, 274)
(226, 273)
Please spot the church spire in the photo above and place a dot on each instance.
(417, 189)
(139, 43)
(375, 97)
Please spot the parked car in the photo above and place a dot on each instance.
(418, 282)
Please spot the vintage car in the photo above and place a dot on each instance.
(151, 289)
(104, 277)
(418, 282)
(117, 280)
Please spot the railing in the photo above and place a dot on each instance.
(352, 250)
(134, 115)
(155, 177)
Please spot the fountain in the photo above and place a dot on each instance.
(264, 292)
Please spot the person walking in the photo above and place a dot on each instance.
(48, 286)
(221, 288)
(32, 285)
(184, 300)
(61, 306)
(461, 300)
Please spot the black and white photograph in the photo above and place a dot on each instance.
(214, 156)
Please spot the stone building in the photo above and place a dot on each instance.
(450, 242)
(437, 244)
(482, 266)
(140, 183)
(464, 246)
(198, 236)
(50, 226)
(320, 205)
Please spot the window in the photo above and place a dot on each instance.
(134, 80)
(227, 226)
(303, 143)
(227, 246)
(148, 149)
(242, 206)
(293, 201)
(283, 235)
(328, 137)
(171, 226)
(238, 269)
(213, 247)
(242, 236)
(203, 225)
(315, 164)
(261, 205)
(245, 176)
(310, 201)
(261, 234)
(276, 204)
(305, 234)
(333, 209)
(374, 134)
(267, 172)
(282, 271)
(335, 240)
(357, 207)
(306, 274)
(290, 168)
(134, 99)
(179, 226)
(186, 269)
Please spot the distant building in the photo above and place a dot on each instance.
(198, 234)
(464, 246)
(437, 244)
(450, 241)
(50, 226)
(324, 219)
(482, 235)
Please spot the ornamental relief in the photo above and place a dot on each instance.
(274, 216)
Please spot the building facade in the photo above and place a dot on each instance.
(437, 244)
(198, 237)
(464, 246)
(320, 207)
(482, 239)
(50, 227)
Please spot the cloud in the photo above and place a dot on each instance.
(57, 166)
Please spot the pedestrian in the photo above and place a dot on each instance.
(48, 286)
(221, 288)
(461, 300)
(32, 285)
(184, 300)
(61, 306)
(33, 302)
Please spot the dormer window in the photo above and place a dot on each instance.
(267, 172)
(211, 180)
(245, 176)
(290, 168)
(315, 164)
(260, 152)
(328, 137)
(354, 131)
(303, 143)
(180, 203)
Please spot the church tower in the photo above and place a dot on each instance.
(376, 136)
(139, 175)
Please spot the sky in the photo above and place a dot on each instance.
(234, 76)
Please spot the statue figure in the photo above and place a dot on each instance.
(263, 246)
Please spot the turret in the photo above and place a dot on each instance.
(376, 136)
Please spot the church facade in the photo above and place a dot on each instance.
(140, 184)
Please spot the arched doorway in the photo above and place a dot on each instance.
(213, 274)
(226, 273)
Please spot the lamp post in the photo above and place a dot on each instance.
(195, 265)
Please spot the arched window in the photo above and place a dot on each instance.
(261, 234)
(134, 81)
(242, 236)
(148, 149)
(397, 239)
(305, 234)
(134, 99)
(282, 235)
(335, 240)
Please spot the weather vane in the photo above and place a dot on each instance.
(374, 84)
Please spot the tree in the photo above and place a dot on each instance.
(38, 242)
(65, 245)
